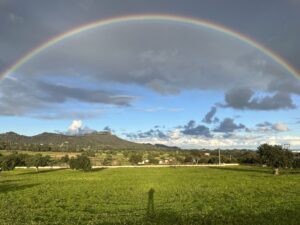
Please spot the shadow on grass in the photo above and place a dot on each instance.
(7, 181)
(97, 169)
(42, 171)
(5, 188)
(249, 170)
(257, 170)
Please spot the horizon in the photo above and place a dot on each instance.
(212, 148)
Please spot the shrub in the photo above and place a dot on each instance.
(37, 161)
(296, 163)
(136, 158)
(81, 162)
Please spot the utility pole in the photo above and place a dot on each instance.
(219, 157)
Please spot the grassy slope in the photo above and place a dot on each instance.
(241, 195)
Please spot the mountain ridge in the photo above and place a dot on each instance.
(98, 140)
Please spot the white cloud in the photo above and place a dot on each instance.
(280, 127)
(77, 128)
(248, 141)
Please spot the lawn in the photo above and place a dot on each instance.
(237, 195)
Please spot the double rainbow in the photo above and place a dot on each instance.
(150, 17)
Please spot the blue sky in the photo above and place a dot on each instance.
(155, 82)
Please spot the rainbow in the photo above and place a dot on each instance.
(150, 17)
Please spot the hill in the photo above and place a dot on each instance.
(62, 142)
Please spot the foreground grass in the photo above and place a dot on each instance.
(239, 195)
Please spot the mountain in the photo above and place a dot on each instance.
(62, 142)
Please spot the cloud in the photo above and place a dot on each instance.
(77, 128)
(280, 127)
(192, 129)
(61, 93)
(209, 116)
(287, 85)
(228, 126)
(244, 99)
(267, 126)
(150, 134)
(38, 99)
(108, 129)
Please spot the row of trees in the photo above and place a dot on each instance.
(9, 162)
(271, 155)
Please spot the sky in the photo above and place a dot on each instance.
(152, 81)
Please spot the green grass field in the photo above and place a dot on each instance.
(237, 195)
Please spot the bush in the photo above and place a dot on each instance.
(107, 160)
(136, 158)
(213, 160)
(8, 162)
(65, 159)
(296, 163)
(81, 162)
(37, 161)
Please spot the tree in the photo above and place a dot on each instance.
(8, 162)
(65, 159)
(108, 160)
(275, 156)
(37, 161)
(249, 158)
(152, 159)
(296, 163)
(136, 158)
(81, 162)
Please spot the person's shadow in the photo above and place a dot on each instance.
(150, 208)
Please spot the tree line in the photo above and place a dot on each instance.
(274, 156)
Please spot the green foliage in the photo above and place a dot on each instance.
(37, 161)
(249, 158)
(65, 159)
(152, 159)
(107, 160)
(296, 163)
(213, 160)
(136, 158)
(89, 153)
(275, 156)
(8, 162)
(81, 162)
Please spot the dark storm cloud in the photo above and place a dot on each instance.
(60, 93)
(228, 126)
(192, 129)
(209, 116)
(19, 97)
(287, 85)
(154, 63)
(19, 18)
(245, 99)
